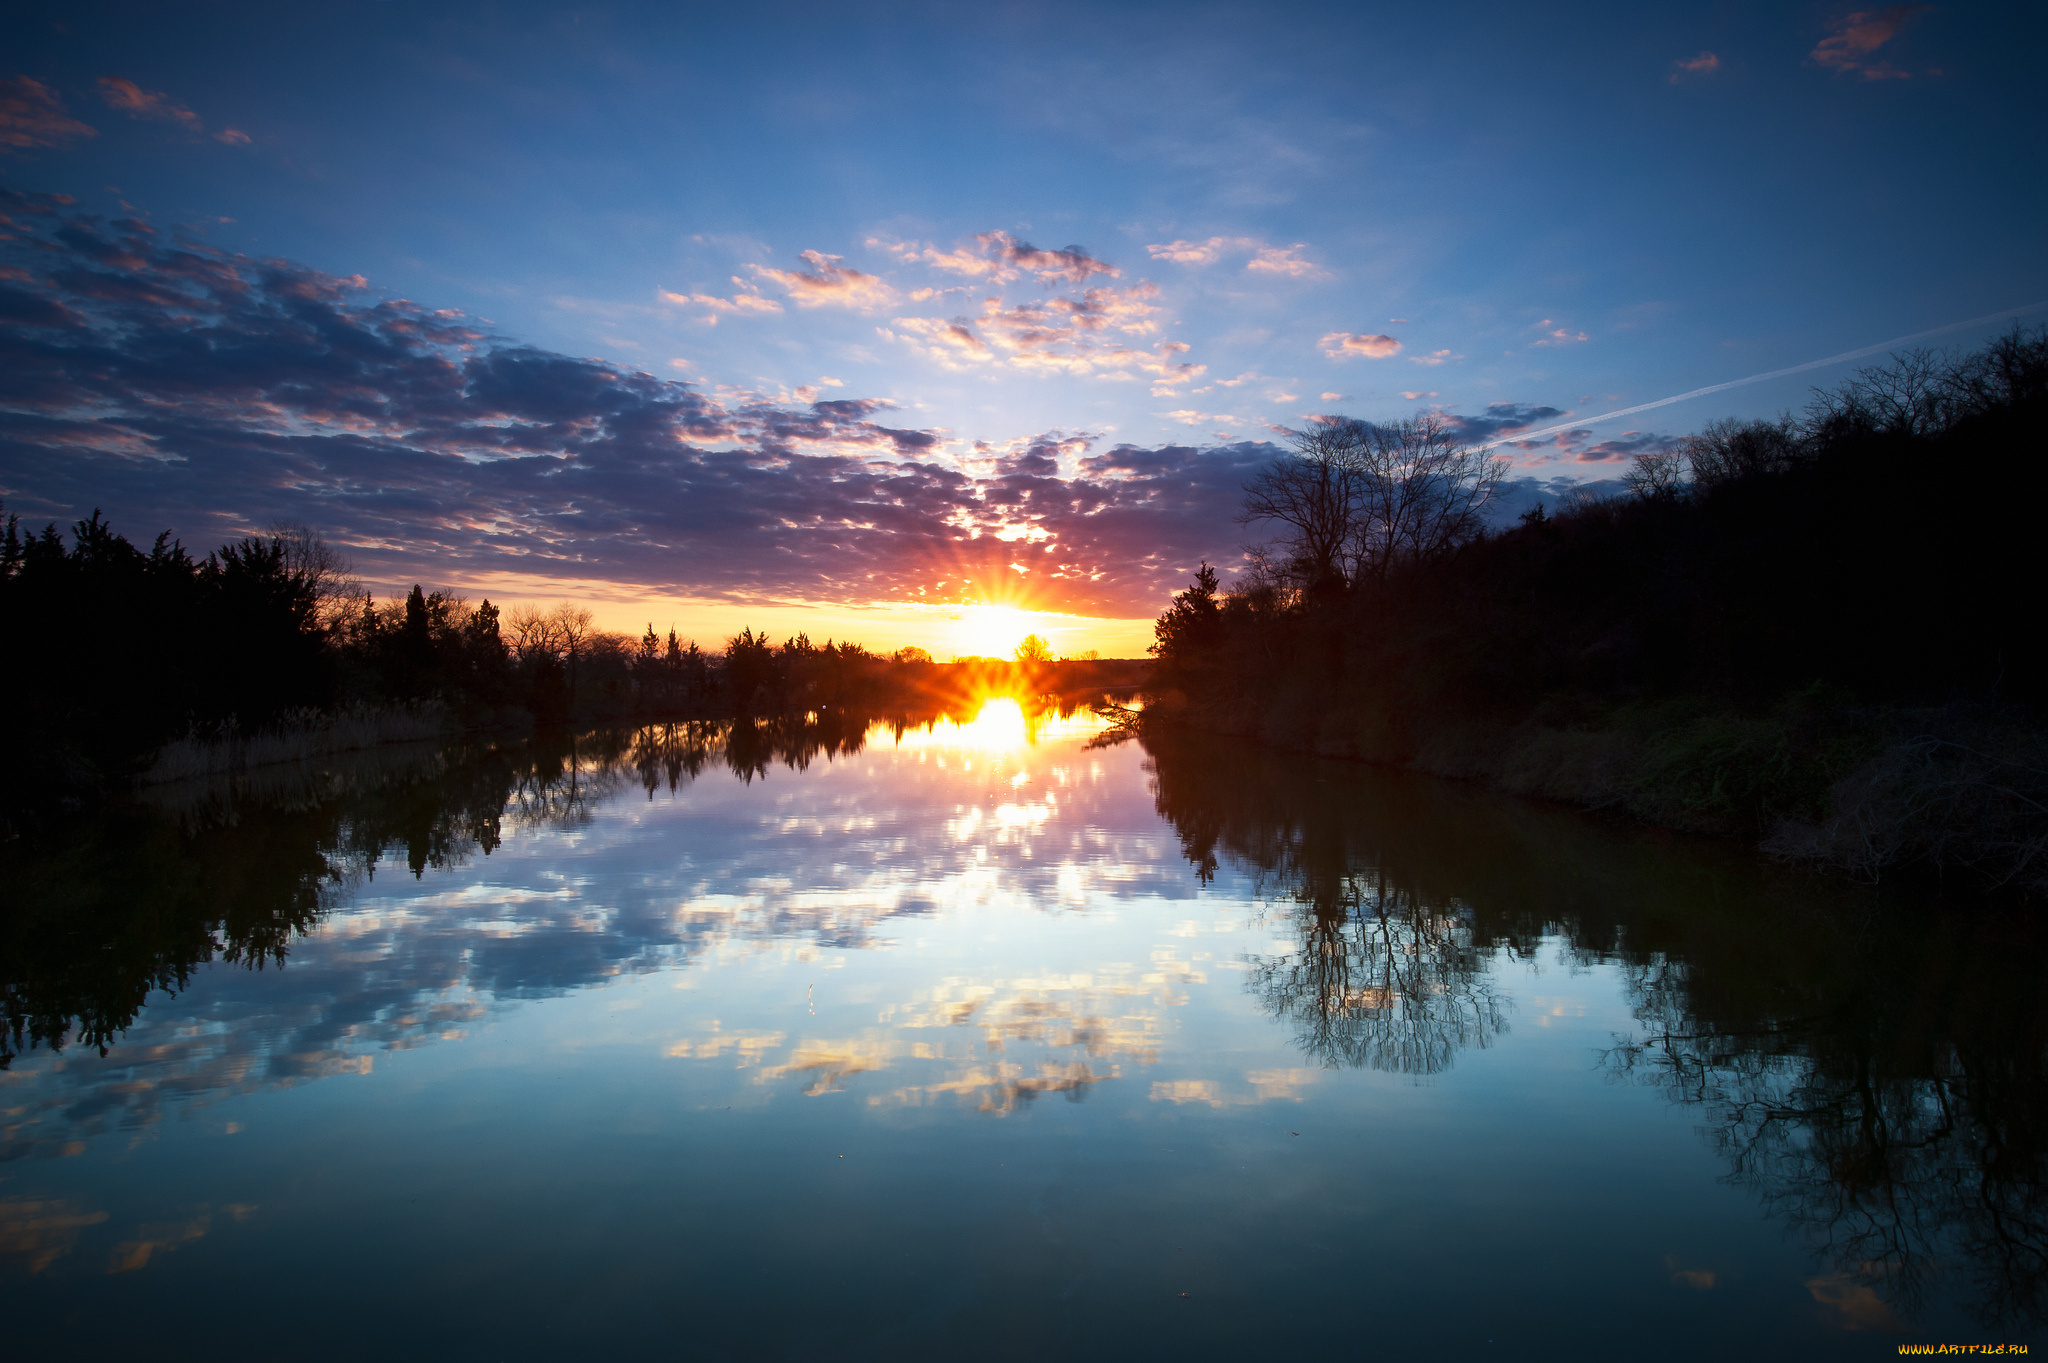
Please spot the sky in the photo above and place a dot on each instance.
(925, 324)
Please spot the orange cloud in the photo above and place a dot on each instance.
(1853, 37)
(1343, 345)
(829, 284)
(31, 116)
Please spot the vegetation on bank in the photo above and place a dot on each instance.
(152, 664)
(1825, 631)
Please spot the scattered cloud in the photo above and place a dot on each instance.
(1706, 64)
(1338, 397)
(234, 137)
(1853, 37)
(1413, 394)
(1000, 258)
(32, 116)
(1557, 335)
(131, 99)
(1434, 357)
(1081, 335)
(829, 284)
(1343, 345)
(745, 303)
(177, 384)
(1273, 260)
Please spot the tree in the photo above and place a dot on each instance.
(1189, 630)
(1423, 492)
(1314, 494)
(1033, 651)
(910, 653)
(1358, 498)
(1656, 475)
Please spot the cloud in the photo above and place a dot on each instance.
(1339, 397)
(1342, 345)
(1853, 37)
(1080, 335)
(1558, 335)
(234, 137)
(1706, 64)
(1434, 357)
(31, 116)
(131, 99)
(1499, 419)
(1275, 260)
(829, 284)
(745, 303)
(1413, 394)
(1201, 252)
(178, 385)
(1000, 258)
(1283, 260)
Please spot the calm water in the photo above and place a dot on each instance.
(980, 1040)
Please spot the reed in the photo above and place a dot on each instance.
(298, 736)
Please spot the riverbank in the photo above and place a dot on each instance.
(1959, 790)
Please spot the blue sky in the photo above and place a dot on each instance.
(1033, 232)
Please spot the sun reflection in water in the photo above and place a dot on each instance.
(1002, 724)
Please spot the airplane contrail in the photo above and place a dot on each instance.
(1759, 378)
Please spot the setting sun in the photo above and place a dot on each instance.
(994, 631)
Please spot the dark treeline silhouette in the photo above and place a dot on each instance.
(116, 651)
(1735, 623)
(1874, 1069)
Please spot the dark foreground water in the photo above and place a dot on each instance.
(981, 1042)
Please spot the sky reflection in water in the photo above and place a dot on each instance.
(809, 1041)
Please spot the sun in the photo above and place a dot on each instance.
(993, 631)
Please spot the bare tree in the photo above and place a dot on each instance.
(572, 626)
(339, 595)
(533, 633)
(1314, 495)
(1422, 491)
(1656, 475)
(1728, 449)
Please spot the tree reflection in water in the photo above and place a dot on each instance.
(94, 919)
(1874, 1068)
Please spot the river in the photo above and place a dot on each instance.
(990, 1037)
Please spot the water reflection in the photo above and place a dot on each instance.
(1874, 1069)
(235, 873)
(1874, 1072)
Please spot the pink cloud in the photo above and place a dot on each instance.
(1283, 260)
(131, 99)
(1434, 357)
(829, 284)
(31, 116)
(1417, 394)
(1706, 64)
(1853, 37)
(1343, 345)
(1277, 260)
(1332, 397)
(234, 137)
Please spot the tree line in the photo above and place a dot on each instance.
(116, 650)
(1878, 550)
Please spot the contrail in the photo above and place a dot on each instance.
(1759, 378)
